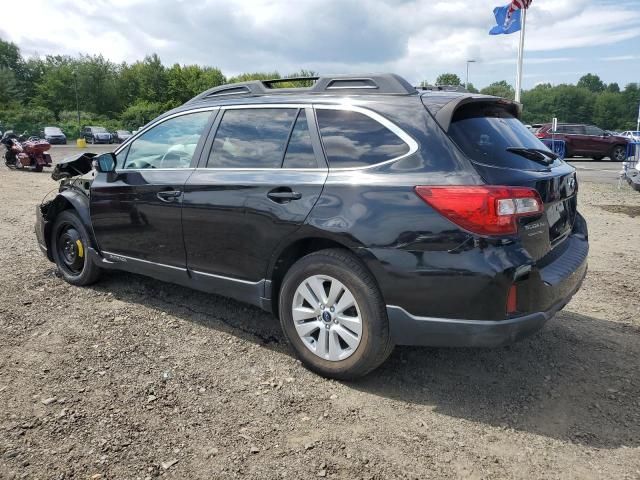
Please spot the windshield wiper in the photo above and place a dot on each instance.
(537, 155)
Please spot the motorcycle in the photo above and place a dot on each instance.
(25, 154)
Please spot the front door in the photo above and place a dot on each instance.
(260, 177)
(136, 211)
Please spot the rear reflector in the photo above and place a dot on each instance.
(512, 300)
(485, 210)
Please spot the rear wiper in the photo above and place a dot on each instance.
(537, 155)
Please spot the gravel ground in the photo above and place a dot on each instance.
(134, 378)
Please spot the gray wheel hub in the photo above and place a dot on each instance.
(327, 318)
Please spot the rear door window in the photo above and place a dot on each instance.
(300, 149)
(591, 130)
(252, 138)
(352, 139)
(489, 134)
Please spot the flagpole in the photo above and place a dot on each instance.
(520, 54)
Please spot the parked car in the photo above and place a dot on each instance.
(120, 136)
(587, 141)
(361, 212)
(634, 135)
(54, 136)
(96, 135)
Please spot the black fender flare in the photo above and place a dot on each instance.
(65, 200)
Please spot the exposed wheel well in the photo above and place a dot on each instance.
(291, 255)
(50, 211)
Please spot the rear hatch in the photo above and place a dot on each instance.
(505, 152)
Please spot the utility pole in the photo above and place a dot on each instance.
(466, 83)
(75, 78)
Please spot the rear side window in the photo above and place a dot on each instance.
(352, 139)
(491, 135)
(591, 130)
(252, 138)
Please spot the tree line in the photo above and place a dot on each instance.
(40, 91)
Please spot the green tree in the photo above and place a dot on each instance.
(10, 56)
(500, 89)
(448, 79)
(591, 82)
(472, 89)
(9, 90)
(187, 81)
(141, 113)
(609, 110)
(613, 88)
(56, 89)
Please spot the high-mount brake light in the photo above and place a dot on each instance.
(483, 209)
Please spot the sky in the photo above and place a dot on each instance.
(418, 39)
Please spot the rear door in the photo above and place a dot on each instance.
(261, 173)
(597, 142)
(576, 140)
(505, 153)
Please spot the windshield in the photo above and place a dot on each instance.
(99, 129)
(52, 131)
(489, 134)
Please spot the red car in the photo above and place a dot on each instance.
(587, 141)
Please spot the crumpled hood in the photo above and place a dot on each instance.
(73, 166)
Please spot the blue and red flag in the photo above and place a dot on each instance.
(508, 17)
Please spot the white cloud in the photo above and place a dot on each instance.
(417, 38)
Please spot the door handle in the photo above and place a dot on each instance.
(283, 195)
(169, 195)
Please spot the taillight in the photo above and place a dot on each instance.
(540, 135)
(485, 210)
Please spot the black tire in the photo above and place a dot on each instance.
(618, 153)
(597, 159)
(38, 168)
(71, 258)
(375, 345)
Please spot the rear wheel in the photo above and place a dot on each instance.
(619, 153)
(334, 316)
(69, 244)
(597, 158)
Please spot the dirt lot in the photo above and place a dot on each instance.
(134, 378)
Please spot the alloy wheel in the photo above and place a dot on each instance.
(327, 318)
(619, 154)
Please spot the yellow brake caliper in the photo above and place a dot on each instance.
(80, 248)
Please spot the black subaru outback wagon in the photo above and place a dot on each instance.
(362, 212)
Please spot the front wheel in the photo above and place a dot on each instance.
(333, 314)
(619, 153)
(69, 243)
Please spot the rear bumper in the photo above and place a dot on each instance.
(408, 329)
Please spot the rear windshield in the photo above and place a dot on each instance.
(489, 134)
(52, 131)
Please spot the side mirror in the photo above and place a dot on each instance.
(106, 162)
(606, 134)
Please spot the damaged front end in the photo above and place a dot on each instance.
(75, 175)
(77, 171)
